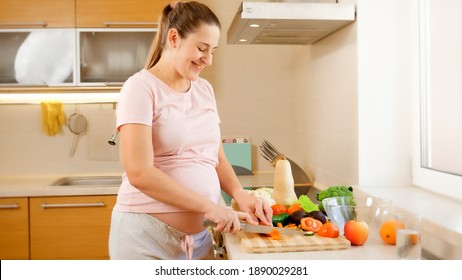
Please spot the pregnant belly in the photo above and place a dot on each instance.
(186, 222)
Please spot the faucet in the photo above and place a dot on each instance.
(113, 138)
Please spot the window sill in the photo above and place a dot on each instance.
(441, 219)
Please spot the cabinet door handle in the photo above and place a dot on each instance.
(131, 23)
(9, 206)
(24, 24)
(70, 205)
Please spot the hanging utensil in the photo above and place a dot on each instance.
(77, 125)
(271, 154)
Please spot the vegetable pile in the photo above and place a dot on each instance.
(303, 215)
(298, 213)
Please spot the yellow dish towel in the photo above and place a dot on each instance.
(52, 117)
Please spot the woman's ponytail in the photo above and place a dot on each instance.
(185, 17)
(158, 42)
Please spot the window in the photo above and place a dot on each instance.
(438, 155)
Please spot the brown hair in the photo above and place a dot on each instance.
(185, 17)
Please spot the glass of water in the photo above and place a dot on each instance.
(408, 243)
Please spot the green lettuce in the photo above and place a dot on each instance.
(307, 204)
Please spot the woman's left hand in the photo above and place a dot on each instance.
(258, 209)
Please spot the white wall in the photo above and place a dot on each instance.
(387, 79)
(26, 151)
(326, 110)
(354, 90)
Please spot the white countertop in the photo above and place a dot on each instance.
(441, 229)
(42, 186)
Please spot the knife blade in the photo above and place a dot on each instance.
(259, 228)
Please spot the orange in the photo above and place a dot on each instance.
(387, 231)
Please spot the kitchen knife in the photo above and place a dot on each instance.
(259, 228)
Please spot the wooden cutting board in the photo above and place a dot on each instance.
(256, 243)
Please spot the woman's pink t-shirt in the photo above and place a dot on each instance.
(185, 137)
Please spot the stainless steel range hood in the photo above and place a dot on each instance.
(289, 23)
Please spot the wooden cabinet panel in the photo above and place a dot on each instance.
(118, 13)
(73, 227)
(37, 14)
(14, 228)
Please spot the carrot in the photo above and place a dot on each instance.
(291, 226)
(275, 235)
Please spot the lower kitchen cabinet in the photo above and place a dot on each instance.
(70, 227)
(14, 228)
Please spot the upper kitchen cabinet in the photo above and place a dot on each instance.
(37, 14)
(37, 57)
(99, 44)
(118, 13)
(108, 56)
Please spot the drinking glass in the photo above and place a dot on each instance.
(408, 243)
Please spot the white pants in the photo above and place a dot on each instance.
(139, 236)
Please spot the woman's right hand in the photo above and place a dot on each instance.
(227, 220)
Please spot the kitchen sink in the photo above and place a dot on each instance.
(86, 181)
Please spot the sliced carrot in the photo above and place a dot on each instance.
(291, 226)
(274, 235)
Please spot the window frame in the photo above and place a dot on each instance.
(440, 182)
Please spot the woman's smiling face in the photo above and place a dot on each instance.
(195, 52)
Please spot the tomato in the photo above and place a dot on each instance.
(328, 230)
(278, 209)
(294, 207)
(310, 224)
